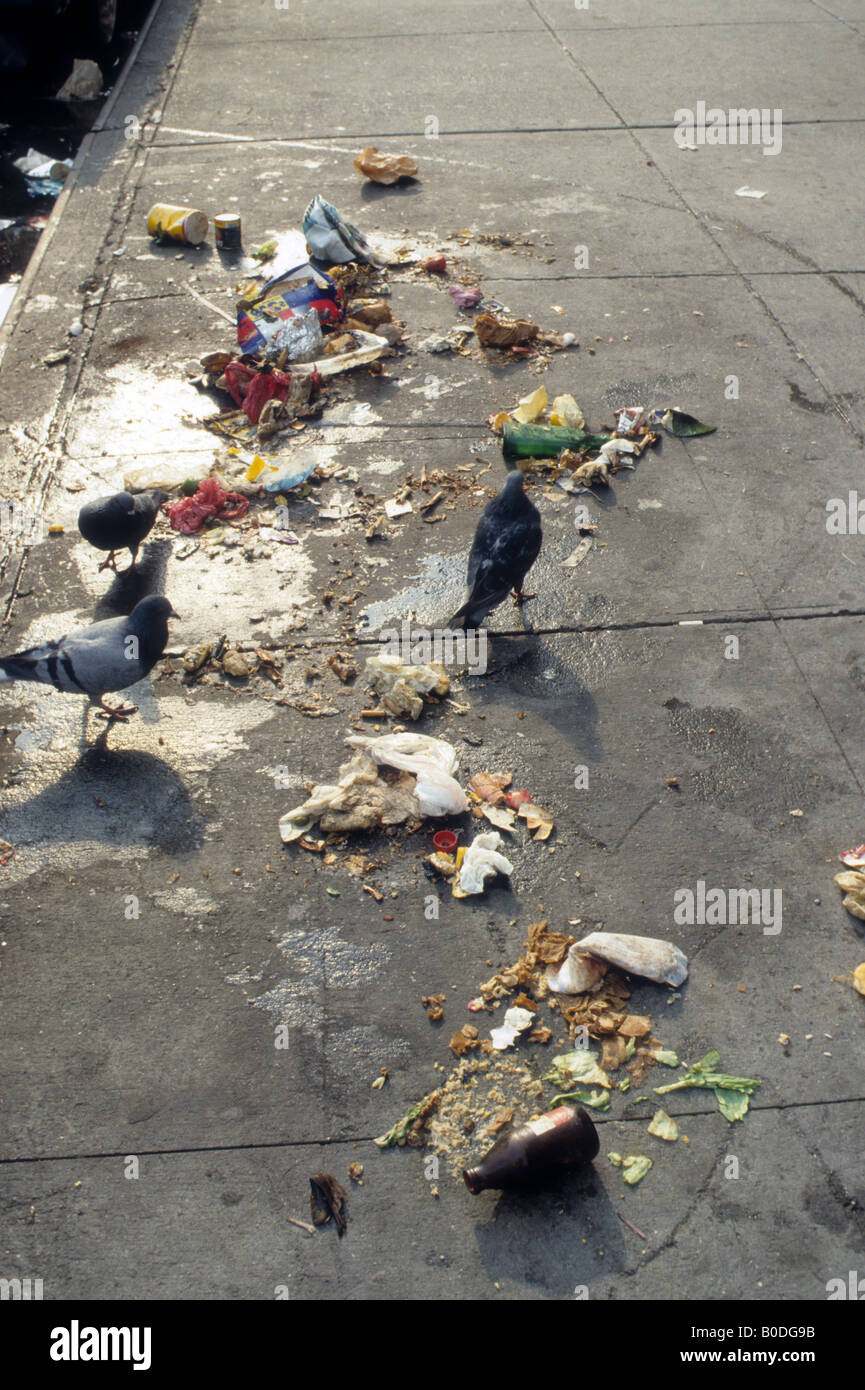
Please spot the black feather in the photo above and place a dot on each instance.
(506, 544)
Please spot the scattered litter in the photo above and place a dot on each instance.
(530, 407)
(434, 265)
(83, 83)
(167, 222)
(45, 176)
(565, 412)
(516, 1021)
(444, 841)
(577, 973)
(264, 312)
(543, 1148)
(482, 860)
(409, 1129)
(402, 686)
(355, 1172)
(236, 665)
(434, 1006)
(331, 239)
(858, 978)
(746, 192)
(362, 799)
(394, 508)
(303, 1225)
(537, 819)
(853, 858)
(432, 760)
(463, 296)
(492, 331)
(385, 168)
(327, 1199)
(634, 1167)
(663, 1126)
(577, 556)
(680, 424)
(731, 1092)
(657, 960)
(853, 885)
(228, 231)
(188, 514)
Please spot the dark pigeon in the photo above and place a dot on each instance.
(110, 655)
(120, 522)
(505, 547)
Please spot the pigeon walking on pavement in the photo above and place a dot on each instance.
(119, 522)
(505, 547)
(109, 655)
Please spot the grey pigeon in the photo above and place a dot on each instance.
(119, 522)
(110, 655)
(505, 547)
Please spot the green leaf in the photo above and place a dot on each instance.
(400, 1129)
(598, 1100)
(630, 1048)
(733, 1104)
(635, 1166)
(666, 1057)
(581, 1065)
(663, 1126)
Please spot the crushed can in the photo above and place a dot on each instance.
(186, 225)
(227, 231)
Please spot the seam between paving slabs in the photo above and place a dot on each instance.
(216, 137)
(328, 1142)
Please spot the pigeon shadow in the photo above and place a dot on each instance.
(126, 799)
(535, 1238)
(130, 587)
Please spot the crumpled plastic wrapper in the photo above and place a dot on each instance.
(385, 168)
(331, 239)
(656, 960)
(482, 860)
(360, 800)
(577, 973)
(433, 762)
(401, 687)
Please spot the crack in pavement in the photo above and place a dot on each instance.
(368, 1138)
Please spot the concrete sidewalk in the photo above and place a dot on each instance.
(153, 1036)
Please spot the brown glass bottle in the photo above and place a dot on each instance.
(537, 1150)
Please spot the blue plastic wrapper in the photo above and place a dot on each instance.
(294, 292)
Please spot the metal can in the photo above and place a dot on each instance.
(227, 231)
(188, 225)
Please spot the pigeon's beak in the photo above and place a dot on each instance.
(173, 613)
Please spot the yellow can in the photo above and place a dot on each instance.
(178, 224)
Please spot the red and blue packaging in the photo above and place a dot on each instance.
(294, 292)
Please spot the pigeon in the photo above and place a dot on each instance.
(505, 547)
(109, 655)
(119, 522)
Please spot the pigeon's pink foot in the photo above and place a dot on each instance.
(520, 596)
(122, 712)
(109, 563)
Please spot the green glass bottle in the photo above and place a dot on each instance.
(546, 441)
